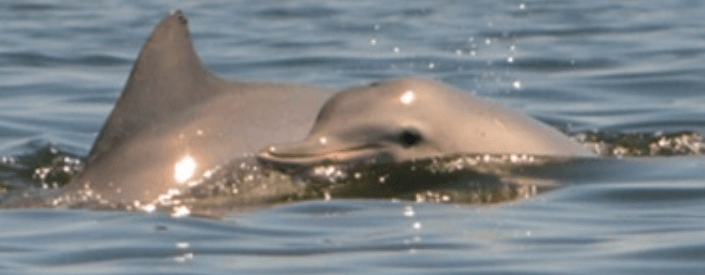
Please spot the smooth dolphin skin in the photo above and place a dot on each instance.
(413, 119)
(175, 122)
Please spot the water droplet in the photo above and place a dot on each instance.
(409, 211)
(208, 174)
(513, 158)
(149, 208)
(180, 212)
(373, 41)
(396, 50)
(183, 258)
(516, 84)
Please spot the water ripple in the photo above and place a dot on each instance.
(42, 60)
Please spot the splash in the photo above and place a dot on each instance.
(643, 144)
(245, 184)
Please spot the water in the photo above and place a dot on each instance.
(618, 75)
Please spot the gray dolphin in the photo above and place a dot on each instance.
(416, 118)
(175, 122)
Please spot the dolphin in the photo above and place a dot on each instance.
(175, 122)
(416, 118)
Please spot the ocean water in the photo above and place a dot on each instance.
(623, 77)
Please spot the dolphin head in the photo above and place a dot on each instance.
(386, 122)
(415, 119)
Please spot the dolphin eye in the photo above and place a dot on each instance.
(409, 138)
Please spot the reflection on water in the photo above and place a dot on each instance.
(245, 184)
(644, 144)
(624, 78)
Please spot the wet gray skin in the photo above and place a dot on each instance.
(415, 119)
(175, 122)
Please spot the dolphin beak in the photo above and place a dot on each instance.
(309, 153)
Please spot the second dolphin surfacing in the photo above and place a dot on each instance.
(417, 118)
(175, 123)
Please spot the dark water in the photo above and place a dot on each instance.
(623, 76)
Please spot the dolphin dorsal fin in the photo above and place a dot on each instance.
(167, 78)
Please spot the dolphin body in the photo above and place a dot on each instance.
(175, 121)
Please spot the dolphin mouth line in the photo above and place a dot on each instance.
(324, 153)
(347, 155)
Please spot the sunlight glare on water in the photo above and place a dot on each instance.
(622, 77)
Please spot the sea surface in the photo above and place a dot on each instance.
(626, 78)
